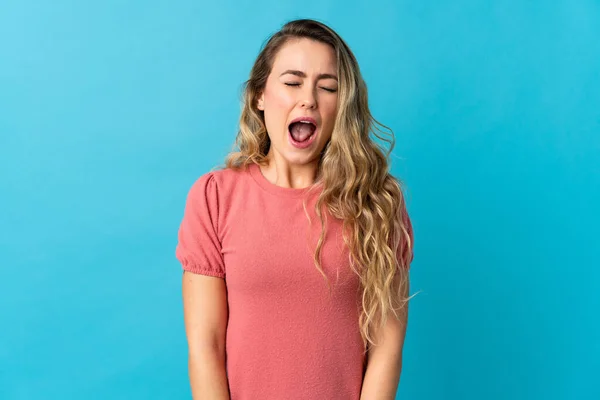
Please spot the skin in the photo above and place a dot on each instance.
(205, 315)
(384, 361)
(311, 91)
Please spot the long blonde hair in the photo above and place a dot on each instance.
(354, 172)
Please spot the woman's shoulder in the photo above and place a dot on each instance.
(224, 176)
(222, 179)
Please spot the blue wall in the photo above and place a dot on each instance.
(110, 110)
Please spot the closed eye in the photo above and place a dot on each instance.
(324, 88)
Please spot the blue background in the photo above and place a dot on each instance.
(110, 110)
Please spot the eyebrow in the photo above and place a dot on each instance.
(303, 75)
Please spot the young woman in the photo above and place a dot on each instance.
(296, 253)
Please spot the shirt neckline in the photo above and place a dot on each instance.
(264, 183)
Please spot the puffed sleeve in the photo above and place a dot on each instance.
(199, 248)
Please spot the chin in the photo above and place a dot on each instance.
(298, 159)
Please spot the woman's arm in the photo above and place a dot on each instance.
(205, 314)
(384, 361)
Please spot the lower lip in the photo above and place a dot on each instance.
(302, 145)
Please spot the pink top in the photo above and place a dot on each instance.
(286, 336)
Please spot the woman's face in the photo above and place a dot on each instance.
(302, 85)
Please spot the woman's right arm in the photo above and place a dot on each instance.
(205, 315)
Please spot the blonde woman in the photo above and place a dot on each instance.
(296, 253)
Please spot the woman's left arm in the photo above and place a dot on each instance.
(384, 361)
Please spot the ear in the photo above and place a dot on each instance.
(260, 102)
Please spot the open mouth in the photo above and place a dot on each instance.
(302, 132)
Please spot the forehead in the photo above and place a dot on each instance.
(306, 55)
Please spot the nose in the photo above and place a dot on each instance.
(309, 99)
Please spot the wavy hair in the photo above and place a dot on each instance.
(354, 173)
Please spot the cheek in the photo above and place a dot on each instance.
(277, 100)
(278, 106)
